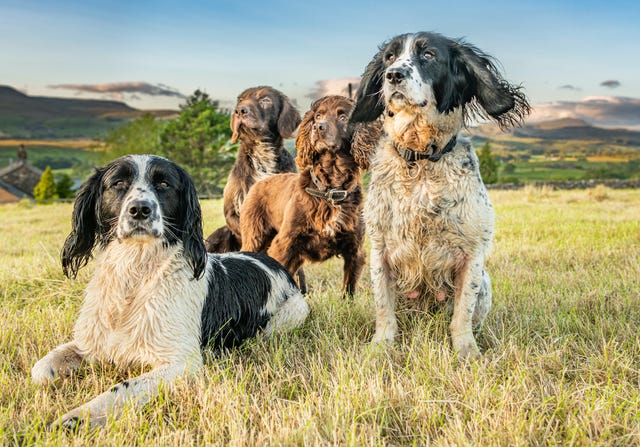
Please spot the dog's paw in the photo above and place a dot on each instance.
(468, 352)
(76, 419)
(43, 373)
(383, 338)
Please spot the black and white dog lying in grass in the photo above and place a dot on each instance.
(156, 298)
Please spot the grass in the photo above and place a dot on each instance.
(561, 362)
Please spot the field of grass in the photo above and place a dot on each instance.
(561, 362)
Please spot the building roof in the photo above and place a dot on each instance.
(20, 176)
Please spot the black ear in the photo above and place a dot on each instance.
(505, 103)
(369, 101)
(190, 225)
(78, 246)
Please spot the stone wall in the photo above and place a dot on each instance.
(575, 184)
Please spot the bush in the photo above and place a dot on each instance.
(45, 190)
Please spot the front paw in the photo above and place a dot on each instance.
(77, 419)
(466, 349)
(384, 337)
(43, 373)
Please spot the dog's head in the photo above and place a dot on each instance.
(426, 70)
(137, 198)
(263, 113)
(323, 128)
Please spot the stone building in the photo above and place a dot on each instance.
(18, 179)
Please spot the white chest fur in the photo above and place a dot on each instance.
(142, 306)
(430, 218)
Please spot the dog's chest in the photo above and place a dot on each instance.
(264, 161)
(432, 215)
(140, 313)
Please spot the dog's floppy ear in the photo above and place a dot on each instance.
(364, 142)
(190, 225)
(505, 103)
(369, 102)
(235, 126)
(304, 148)
(78, 246)
(288, 119)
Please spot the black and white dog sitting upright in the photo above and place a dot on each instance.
(156, 298)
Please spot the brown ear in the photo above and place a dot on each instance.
(289, 118)
(235, 125)
(364, 142)
(304, 148)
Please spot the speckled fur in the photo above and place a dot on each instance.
(431, 222)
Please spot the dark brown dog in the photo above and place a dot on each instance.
(263, 117)
(316, 214)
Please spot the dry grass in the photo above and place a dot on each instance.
(561, 363)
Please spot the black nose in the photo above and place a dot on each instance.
(140, 209)
(396, 75)
(322, 126)
(242, 110)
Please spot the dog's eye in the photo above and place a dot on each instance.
(162, 186)
(342, 117)
(265, 102)
(389, 57)
(120, 185)
(428, 55)
(318, 116)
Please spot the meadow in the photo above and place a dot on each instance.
(561, 363)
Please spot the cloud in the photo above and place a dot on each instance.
(334, 87)
(611, 83)
(608, 111)
(570, 87)
(122, 90)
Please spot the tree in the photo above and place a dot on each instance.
(45, 190)
(488, 165)
(140, 136)
(509, 168)
(64, 187)
(198, 141)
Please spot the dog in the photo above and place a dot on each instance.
(427, 212)
(263, 117)
(316, 214)
(156, 298)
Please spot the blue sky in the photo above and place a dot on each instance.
(559, 51)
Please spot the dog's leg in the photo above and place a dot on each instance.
(289, 315)
(137, 391)
(384, 294)
(62, 362)
(302, 281)
(281, 251)
(483, 303)
(353, 256)
(468, 283)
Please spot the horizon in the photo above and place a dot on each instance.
(570, 57)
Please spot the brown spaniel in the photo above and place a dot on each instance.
(316, 214)
(263, 117)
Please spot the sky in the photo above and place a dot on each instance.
(152, 54)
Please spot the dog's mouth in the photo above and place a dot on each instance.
(138, 231)
(400, 99)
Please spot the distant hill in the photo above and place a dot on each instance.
(23, 116)
(562, 129)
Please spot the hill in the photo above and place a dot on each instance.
(23, 116)
(562, 129)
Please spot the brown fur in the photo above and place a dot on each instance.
(263, 117)
(280, 217)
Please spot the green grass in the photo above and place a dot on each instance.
(561, 362)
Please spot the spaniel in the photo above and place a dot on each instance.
(316, 214)
(427, 212)
(156, 298)
(263, 117)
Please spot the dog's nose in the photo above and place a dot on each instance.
(243, 110)
(396, 75)
(322, 126)
(140, 209)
